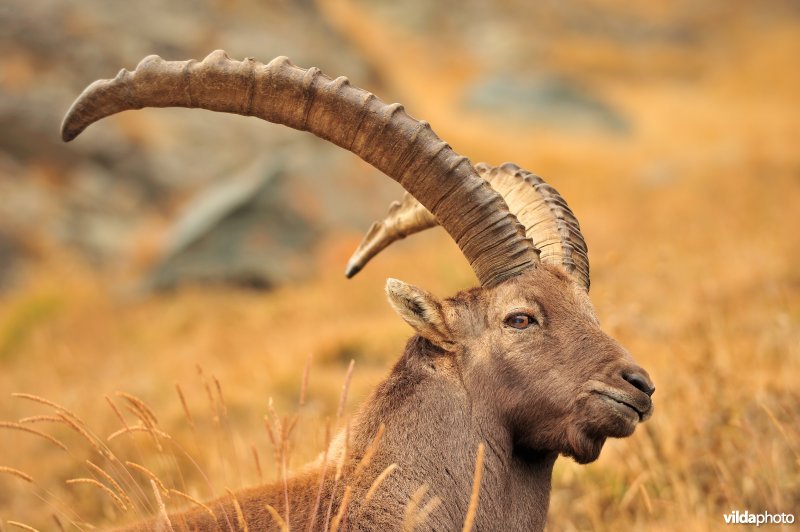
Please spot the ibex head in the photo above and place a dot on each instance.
(524, 349)
(532, 349)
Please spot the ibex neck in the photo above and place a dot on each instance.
(432, 431)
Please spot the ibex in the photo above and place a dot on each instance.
(519, 364)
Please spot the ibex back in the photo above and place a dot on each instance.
(519, 364)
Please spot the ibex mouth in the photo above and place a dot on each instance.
(624, 403)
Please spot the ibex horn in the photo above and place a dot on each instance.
(405, 149)
(547, 218)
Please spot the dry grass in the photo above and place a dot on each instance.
(692, 224)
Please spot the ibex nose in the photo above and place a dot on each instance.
(640, 380)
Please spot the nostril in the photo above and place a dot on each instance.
(640, 381)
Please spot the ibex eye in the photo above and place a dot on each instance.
(520, 321)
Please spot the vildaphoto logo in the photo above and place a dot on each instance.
(764, 518)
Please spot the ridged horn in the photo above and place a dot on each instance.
(547, 218)
(385, 136)
(405, 217)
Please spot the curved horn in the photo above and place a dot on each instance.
(547, 218)
(405, 217)
(383, 135)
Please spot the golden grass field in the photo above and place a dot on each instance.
(693, 228)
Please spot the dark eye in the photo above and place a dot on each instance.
(520, 321)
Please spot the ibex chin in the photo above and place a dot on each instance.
(519, 364)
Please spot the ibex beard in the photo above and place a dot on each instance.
(519, 364)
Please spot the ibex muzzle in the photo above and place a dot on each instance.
(519, 364)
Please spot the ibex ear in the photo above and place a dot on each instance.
(421, 310)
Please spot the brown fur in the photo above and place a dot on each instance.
(528, 395)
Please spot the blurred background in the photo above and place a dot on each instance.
(183, 247)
